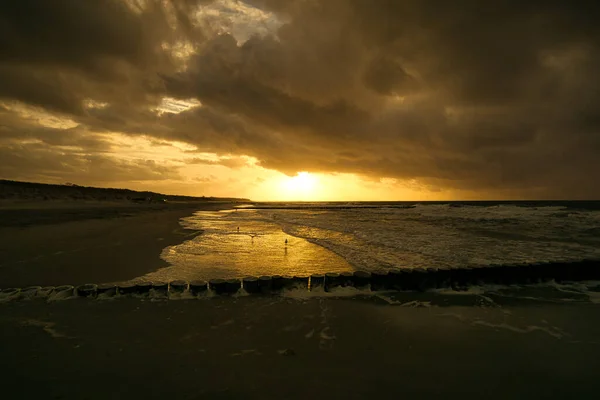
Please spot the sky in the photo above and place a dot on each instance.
(304, 99)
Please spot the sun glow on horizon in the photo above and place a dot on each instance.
(318, 186)
(300, 187)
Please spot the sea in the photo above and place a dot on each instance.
(309, 238)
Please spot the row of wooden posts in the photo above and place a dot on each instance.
(417, 279)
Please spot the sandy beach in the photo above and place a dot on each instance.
(274, 347)
(76, 243)
(530, 342)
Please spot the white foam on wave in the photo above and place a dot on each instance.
(341, 239)
(304, 294)
(62, 295)
(445, 236)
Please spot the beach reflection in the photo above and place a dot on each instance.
(258, 248)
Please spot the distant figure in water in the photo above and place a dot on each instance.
(286, 242)
(238, 228)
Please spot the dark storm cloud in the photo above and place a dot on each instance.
(57, 53)
(497, 96)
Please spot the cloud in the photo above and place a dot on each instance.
(459, 95)
(58, 55)
(205, 179)
(39, 162)
(229, 162)
(496, 98)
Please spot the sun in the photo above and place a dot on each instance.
(301, 186)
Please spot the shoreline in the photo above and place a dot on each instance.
(74, 243)
(100, 244)
(530, 342)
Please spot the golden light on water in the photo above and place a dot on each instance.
(242, 243)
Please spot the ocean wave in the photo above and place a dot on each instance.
(440, 235)
(380, 238)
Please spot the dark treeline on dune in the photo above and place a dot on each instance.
(15, 190)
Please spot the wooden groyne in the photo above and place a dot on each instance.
(417, 279)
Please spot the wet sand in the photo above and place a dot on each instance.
(273, 347)
(82, 243)
(532, 344)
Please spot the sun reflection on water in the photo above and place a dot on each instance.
(258, 248)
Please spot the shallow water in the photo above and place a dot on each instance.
(334, 237)
(258, 248)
